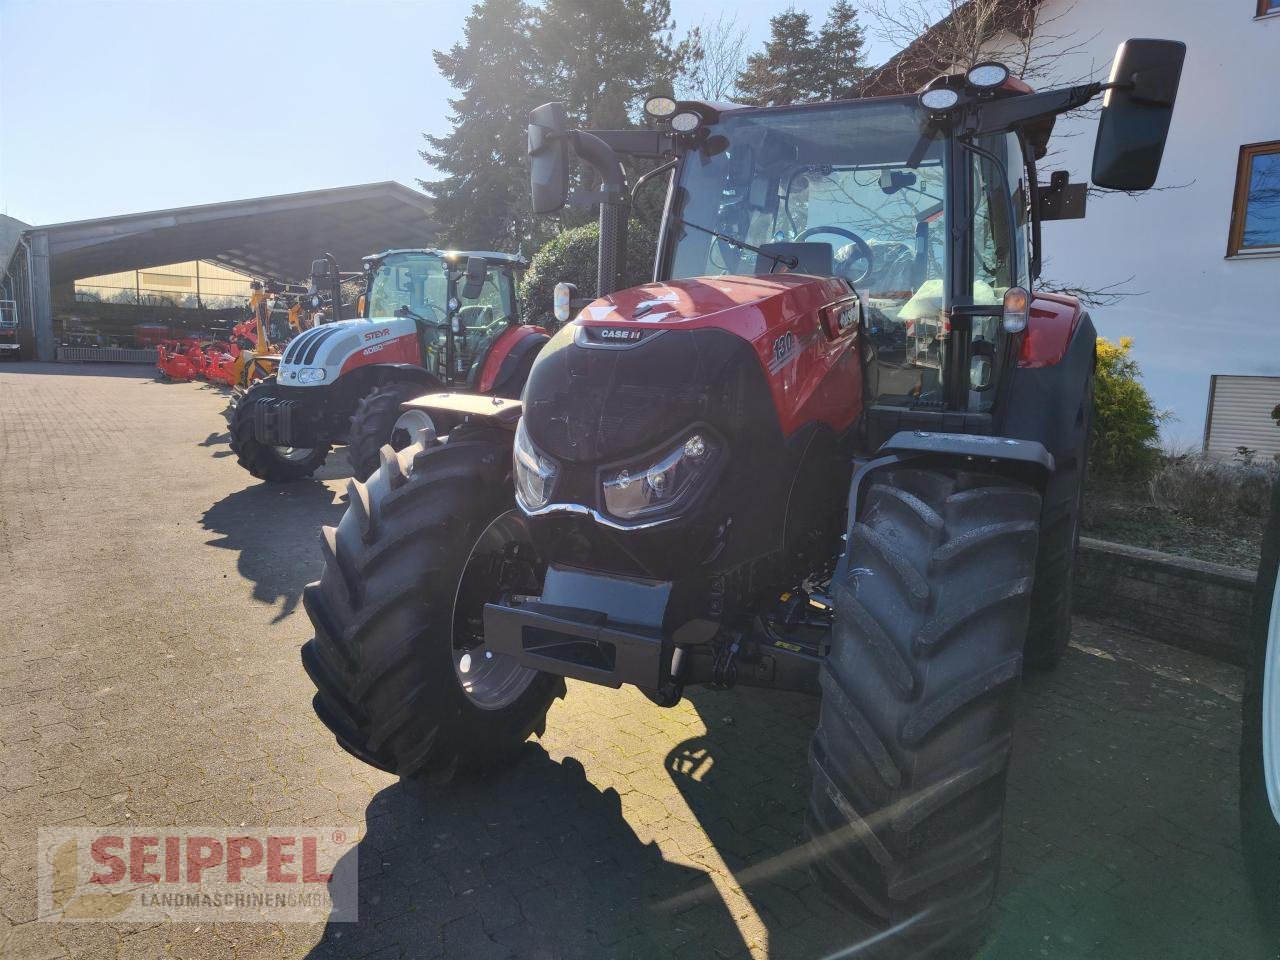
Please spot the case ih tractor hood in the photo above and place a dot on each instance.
(647, 361)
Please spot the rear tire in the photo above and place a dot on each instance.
(1049, 629)
(266, 462)
(383, 658)
(1260, 831)
(373, 425)
(911, 752)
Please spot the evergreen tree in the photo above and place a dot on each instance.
(786, 71)
(483, 200)
(604, 58)
(840, 66)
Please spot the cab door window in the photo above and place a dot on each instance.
(999, 255)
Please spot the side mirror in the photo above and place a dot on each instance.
(1136, 113)
(319, 276)
(548, 157)
(477, 270)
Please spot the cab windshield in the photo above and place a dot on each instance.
(854, 190)
(784, 176)
(416, 280)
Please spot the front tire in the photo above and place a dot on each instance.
(402, 678)
(912, 748)
(266, 462)
(378, 421)
(1260, 734)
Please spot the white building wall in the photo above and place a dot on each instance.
(1200, 313)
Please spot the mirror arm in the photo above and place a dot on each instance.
(602, 156)
(998, 116)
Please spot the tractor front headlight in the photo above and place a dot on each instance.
(535, 473)
(635, 491)
(311, 375)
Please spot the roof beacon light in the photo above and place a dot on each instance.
(1017, 302)
(939, 99)
(686, 122)
(659, 107)
(987, 76)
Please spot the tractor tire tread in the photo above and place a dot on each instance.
(913, 742)
(381, 657)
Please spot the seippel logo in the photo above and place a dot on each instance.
(279, 874)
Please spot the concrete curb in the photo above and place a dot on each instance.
(1199, 606)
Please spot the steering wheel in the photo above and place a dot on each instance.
(863, 251)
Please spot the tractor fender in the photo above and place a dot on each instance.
(506, 368)
(402, 373)
(1024, 460)
(1048, 402)
(355, 385)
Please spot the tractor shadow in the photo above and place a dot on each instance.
(746, 780)
(1121, 810)
(219, 441)
(275, 530)
(535, 861)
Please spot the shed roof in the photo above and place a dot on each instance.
(275, 237)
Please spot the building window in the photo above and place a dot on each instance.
(1267, 7)
(1255, 217)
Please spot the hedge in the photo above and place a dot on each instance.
(571, 257)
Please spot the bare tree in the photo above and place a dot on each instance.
(716, 52)
(947, 36)
(944, 36)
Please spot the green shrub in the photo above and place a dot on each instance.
(1126, 423)
(571, 257)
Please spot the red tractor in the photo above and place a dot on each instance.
(724, 477)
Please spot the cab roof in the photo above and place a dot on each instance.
(514, 260)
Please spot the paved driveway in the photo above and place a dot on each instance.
(149, 630)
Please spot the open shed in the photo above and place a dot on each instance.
(266, 237)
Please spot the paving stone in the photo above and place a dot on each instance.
(150, 675)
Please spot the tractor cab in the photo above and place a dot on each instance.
(460, 302)
(927, 206)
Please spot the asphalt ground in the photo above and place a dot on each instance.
(150, 620)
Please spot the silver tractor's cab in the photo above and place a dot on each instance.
(428, 320)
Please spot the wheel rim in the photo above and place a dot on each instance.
(494, 570)
(1271, 705)
(406, 428)
(294, 454)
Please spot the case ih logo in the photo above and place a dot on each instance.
(195, 874)
(624, 334)
(377, 334)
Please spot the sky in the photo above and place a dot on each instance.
(119, 106)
